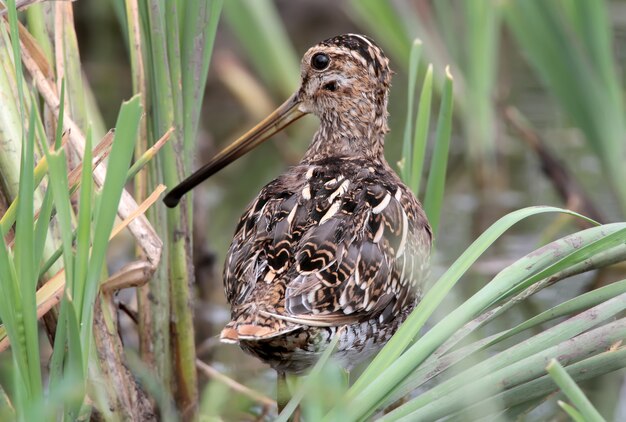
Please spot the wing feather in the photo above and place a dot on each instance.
(342, 239)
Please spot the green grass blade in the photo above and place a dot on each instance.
(47, 206)
(83, 231)
(61, 191)
(585, 252)
(200, 26)
(25, 265)
(59, 185)
(435, 186)
(482, 39)
(61, 194)
(76, 361)
(171, 287)
(69, 58)
(163, 117)
(422, 124)
(161, 120)
(174, 74)
(573, 392)
(120, 13)
(41, 170)
(137, 166)
(41, 228)
(523, 361)
(11, 120)
(584, 301)
(407, 146)
(434, 363)
(59, 132)
(571, 412)
(37, 27)
(121, 152)
(592, 367)
(10, 304)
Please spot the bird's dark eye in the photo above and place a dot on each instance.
(331, 86)
(320, 61)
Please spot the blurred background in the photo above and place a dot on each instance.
(539, 120)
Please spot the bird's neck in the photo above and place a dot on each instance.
(349, 135)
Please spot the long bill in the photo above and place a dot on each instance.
(280, 118)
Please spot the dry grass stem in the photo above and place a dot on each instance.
(213, 373)
(565, 184)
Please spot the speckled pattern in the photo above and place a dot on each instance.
(337, 243)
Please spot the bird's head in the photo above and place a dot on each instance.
(345, 82)
(349, 75)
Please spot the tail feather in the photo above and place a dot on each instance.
(229, 335)
(255, 327)
(260, 318)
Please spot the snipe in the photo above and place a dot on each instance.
(337, 241)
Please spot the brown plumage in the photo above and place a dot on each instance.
(337, 241)
(336, 244)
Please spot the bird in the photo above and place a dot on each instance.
(337, 245)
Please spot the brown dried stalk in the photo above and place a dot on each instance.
(564, 183)
(213, 373)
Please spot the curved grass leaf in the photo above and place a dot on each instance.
(441, 360)
(521, 362)
(589, 368)
(584, 301)
(410, 329)
(496, 289)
